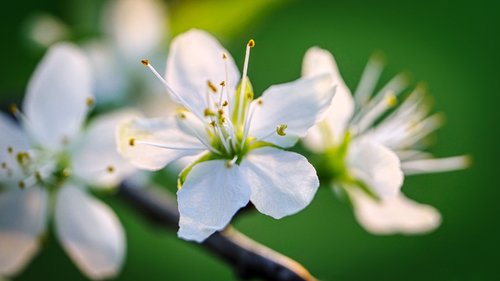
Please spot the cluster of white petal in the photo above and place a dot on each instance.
(379, 149)
(238, 137)
(51, 156)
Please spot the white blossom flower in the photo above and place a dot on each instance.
(239, 137)
(49, 159)
(368, 153)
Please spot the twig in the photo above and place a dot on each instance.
(248, 258)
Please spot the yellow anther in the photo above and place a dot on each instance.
(280, 130)
(251, 43)
(220, 112)
(10, 150)
(38, 176)
(224, 56)
(212, 123)
(212, 86)
(391, 100)
(22, 157)
(21, 184)
(260, 101)
(145, 62)
(110, 169)
(13, 109)
(131, 141)
(223, 83)
(66, 173)
(225, 103)
(90, 101)
(207, 112)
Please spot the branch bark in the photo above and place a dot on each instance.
(245, 256)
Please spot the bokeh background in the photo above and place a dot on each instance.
(451, 45)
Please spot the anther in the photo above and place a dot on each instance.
(207, 112)
(212, 123)
(10, 150)
(220, 112)
(224, 56)
(391, 100)
(223, 83)
(90, 101)
(4, 165)
(13, 109)
(21, 184)
(251, 43)
(225, 103)
(38, 176)
(110, 169)
(131, 142)
(260, 101)
(145, 62)
(66, 173)
(182, 115)
(280, 130)
(212, 86)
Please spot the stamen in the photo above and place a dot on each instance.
(250, 44)
(110, 169)
(231, 162)
(169, 89)
(376, 111)
(90, 101)
(160, 145)
(131, 141)
(21, 184)
(211, 86)
(280, 130)
(10, 150)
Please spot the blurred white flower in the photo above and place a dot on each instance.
(239, 137)
(133, 29)
(368, 153)
(50, 159)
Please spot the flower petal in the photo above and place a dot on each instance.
(56, 100)
(210, 196)
(377, 166)
(136, 26)
(195, 57)
(23, 215)
(394, 215)
(13, 140)
(95, 158)
(317, 61)
(90, 233)
(298, 104)
(282, 182)
(164, 132)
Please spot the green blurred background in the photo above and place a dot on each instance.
(451, 46)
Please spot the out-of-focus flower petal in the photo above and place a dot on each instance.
(58, 93)
(90, 233)
(23, 215)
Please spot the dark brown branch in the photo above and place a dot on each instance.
(248, 258)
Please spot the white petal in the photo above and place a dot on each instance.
(394, 215)
(23, 216)
(377, 166)
(317, 61)
(159, 131)
(437, 165)
(282, 182)
(110, 77)
(298, 104)
(136, 26)
(96, 158)
(56, 100)
(195, 57)
(210, 196)
(90, 233)
(12, 138)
